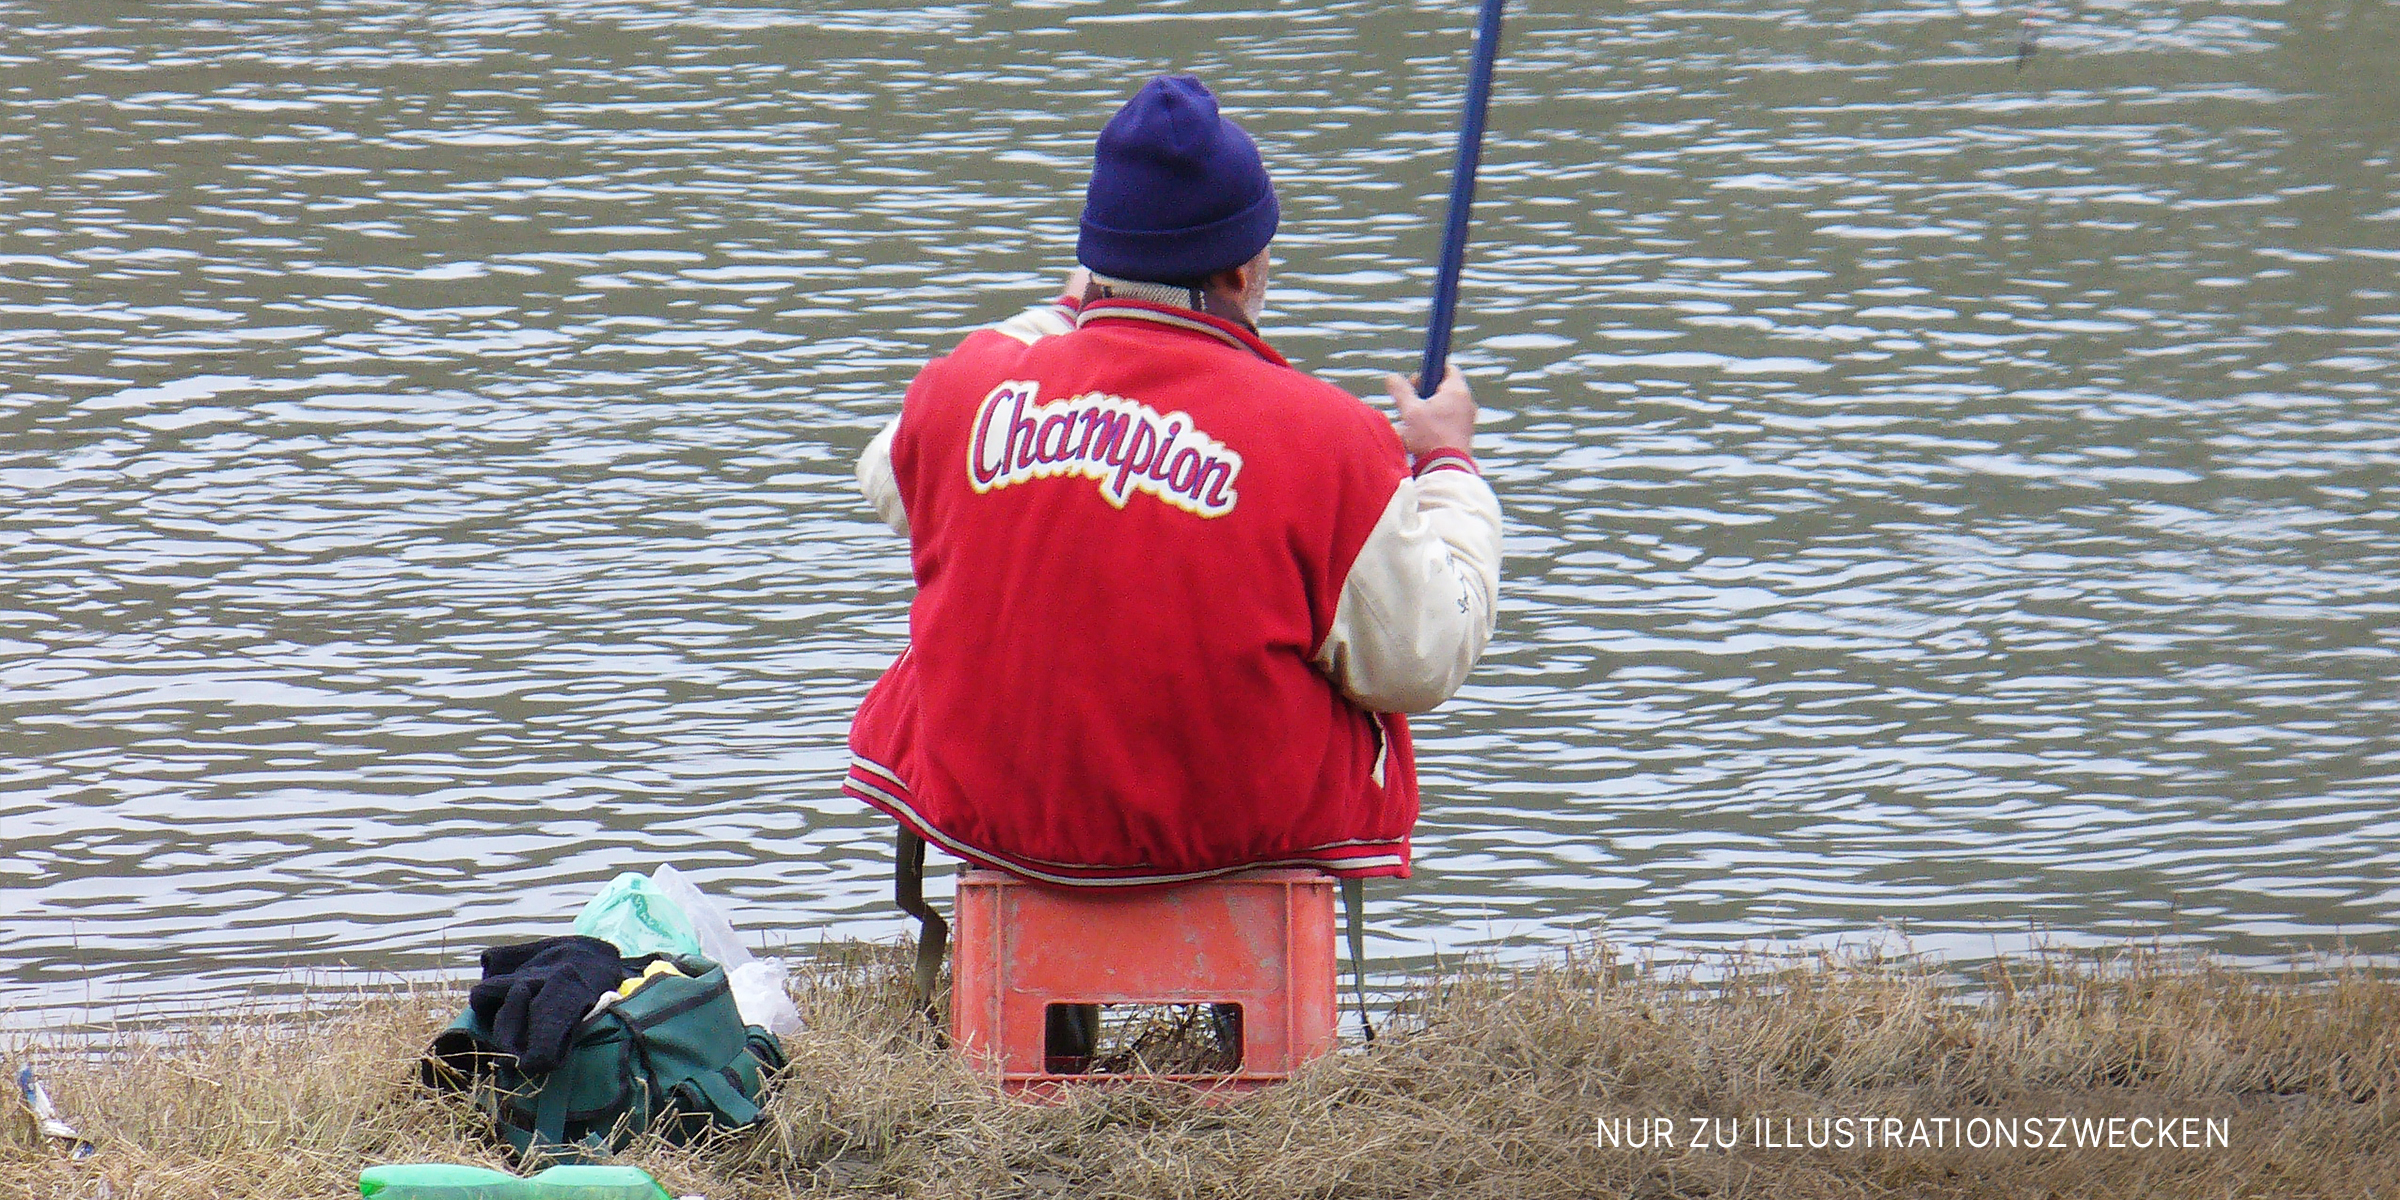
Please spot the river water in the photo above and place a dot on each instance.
(1948, 500)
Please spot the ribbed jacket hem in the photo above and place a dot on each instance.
(881, 787)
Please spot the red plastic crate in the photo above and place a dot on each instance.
(1261, 939)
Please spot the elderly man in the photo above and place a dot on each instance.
(1173, 594)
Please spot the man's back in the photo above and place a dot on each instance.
(1130, 542)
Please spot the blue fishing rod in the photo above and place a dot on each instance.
(1437, 351)
(1446, 306)
(1462, 198)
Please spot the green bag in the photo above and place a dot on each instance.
(674, 1056)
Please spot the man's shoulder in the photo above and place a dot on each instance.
(985, 350)
(1000, 346)
(1332, 410)
(1332, 399)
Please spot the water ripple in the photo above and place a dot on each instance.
(1943, 499)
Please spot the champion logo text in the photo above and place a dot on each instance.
(1124, 445)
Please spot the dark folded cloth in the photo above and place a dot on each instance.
(534, 994)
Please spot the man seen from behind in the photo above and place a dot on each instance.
(1173, 595)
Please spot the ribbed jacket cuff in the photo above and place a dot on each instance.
(1447, 458)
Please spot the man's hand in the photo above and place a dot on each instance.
(1444, 420)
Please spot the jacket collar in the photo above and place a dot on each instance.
(1119, 308)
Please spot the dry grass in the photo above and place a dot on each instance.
(1493, 1092)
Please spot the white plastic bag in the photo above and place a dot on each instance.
(757, 985)
(758, 993)
(718, 943)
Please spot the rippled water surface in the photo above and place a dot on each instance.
(1942, 498)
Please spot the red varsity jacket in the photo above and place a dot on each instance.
(1128, 542)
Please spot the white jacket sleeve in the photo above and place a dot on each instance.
(875, 476)
(1418, 606)
(1038, 322)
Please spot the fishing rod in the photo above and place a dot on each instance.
(1462, 198)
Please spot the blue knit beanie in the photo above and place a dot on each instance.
(1178, 193)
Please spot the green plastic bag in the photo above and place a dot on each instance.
(639, 917)
(446, 1181)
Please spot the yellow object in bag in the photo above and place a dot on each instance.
(653, 971)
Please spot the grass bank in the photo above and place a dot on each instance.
(1491, 1085)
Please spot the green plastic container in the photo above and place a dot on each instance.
(449, 1181)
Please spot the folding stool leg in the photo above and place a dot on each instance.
(933, 933)
(1354, 898)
